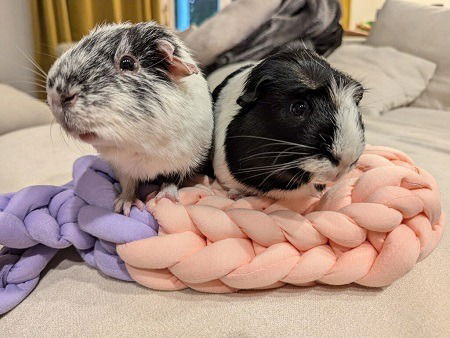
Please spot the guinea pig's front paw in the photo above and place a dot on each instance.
(317, 189)
(123, 205)
(235, 194)
(167, 191)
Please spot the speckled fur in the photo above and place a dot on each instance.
(147, 124)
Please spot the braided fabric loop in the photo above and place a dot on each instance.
(38, 221)
(369, 229)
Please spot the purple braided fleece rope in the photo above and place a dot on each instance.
(38, 221)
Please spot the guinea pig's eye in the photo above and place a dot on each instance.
(128, 63)
(299, 108)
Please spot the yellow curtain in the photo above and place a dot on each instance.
(345, 19)
(60, 21)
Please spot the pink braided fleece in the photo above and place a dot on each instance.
(370, 228)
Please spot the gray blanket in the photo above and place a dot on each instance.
(253, 29)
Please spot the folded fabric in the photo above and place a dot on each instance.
(227, 28)
(252, 29)
(391, 78)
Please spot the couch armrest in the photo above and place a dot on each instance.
(19, 110)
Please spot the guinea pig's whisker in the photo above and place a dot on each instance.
(35, 64)
(274, 166)
(47, 54)
(270, 172)
(295, 178)
(65, 136)
(43, 81)
(286, 167)
(33, 82)
(39, 76)
(39, 85)
(271, 157)
(272, 154)
(277, 144)
(270, 175)
(280, 144)
(37, 92)
(288, 149)
(298, 178)
(326, 143)
(263, 171)
(275, 140)
(291, 181)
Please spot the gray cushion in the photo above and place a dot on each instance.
(422, 30)
(392, 78)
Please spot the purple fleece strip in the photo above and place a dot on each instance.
(37, 221)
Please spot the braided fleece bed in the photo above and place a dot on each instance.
(38, 221)
(370, 228)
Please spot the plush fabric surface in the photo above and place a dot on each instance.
(254, 28)
(392, 78)
(19, 110)
(72, 297)
(370, 229)
(421, 30)
(39, 220)
(203, 41)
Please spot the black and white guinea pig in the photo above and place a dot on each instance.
(286, 125)
(136, 95)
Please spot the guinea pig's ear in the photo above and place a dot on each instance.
(251, 92)
(246, 98)
(178, 68)
(358, 94)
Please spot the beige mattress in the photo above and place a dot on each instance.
(75, 300)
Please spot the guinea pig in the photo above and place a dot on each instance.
(286, 125)
(136, 95)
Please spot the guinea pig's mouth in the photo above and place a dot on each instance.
(87, 137)
(320, 186)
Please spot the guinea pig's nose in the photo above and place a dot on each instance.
(68, 100)
(341, 172)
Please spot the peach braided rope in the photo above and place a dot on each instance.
(371, 229)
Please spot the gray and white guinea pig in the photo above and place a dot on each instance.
(286, 125)
(136, 95)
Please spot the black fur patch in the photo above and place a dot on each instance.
(90, 67)
(218, 89)
(265, 140)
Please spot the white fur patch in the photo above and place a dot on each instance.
(349, 137)
(226, 109)
(348, 142)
